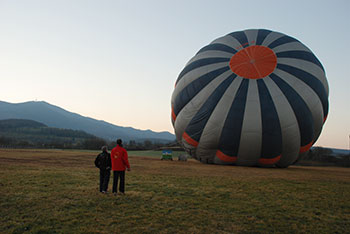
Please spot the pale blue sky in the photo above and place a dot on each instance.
(118, 60)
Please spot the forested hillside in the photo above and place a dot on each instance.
(22, 132)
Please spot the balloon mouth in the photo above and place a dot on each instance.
(254, 62)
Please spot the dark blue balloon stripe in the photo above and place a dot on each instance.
(231, 132)
(280, 41)
(194, 88)
(301, 110)
(299, 54)
(218, 47)
(241, 37)
(200, 63)
(311, 81)
(262, 34)
(198, 122)
(271, 146)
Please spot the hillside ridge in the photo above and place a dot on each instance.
(57, 117)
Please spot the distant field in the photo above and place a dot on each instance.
(56, 191)
(139, 153)
(154, 153)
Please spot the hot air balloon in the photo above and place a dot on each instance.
(252, 98)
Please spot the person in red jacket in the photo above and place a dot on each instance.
(120, 162)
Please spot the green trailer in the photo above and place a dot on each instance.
(167, 155)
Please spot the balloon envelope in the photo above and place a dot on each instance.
(253, 97)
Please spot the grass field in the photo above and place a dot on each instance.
(56, 191)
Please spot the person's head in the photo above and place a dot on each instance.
(104, 148)
(120, 142)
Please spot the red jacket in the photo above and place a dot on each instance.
(119, 158)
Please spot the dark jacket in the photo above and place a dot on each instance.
(103, 161)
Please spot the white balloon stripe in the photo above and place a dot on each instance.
(212, 131)
(309, 96)
(273, 36)
(288, 122)
(308, 67)
(210, 54)
(193, 75)
(251, 129)
(290, 47)
(229, 41)
(192, 107)
(251, 36)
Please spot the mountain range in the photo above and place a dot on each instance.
(56, 117)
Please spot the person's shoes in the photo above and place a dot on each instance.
(115, 194)
(122, 193)
(104, 192)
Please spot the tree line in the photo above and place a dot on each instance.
(23, 133)
(320, 156)
(93, 143)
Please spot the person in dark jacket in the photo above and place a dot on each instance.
(103, 162)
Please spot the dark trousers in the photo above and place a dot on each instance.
(116, 175)
(104, 179)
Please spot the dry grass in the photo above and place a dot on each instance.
(56, 191)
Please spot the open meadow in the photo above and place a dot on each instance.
(56, 191)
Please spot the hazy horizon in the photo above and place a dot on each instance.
(72, 111)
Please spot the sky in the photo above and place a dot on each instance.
(118, 60)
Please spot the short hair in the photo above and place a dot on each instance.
(104, 148)
(119, 141)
